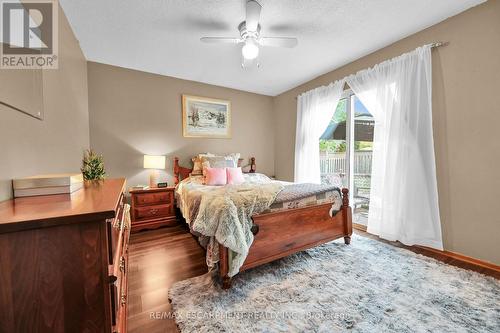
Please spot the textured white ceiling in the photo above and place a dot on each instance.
(163, 36)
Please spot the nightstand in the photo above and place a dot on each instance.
(152, 208)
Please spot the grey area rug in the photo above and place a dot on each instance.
(367, 286)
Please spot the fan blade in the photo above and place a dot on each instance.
(253, 15)
(229, 40)
(278, 41)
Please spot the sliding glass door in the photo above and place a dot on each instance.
(346, 149)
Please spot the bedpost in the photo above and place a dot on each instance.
(176, 170)
(253, 166)
(347, 216)
(224, 266)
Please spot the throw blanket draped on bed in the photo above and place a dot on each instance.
(224, 213)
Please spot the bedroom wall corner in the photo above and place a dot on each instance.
(29, 146)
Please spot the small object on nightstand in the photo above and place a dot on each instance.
(152, 208)
(161, 185)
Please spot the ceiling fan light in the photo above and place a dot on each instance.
(250, 50)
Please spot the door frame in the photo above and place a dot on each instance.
(348, 95)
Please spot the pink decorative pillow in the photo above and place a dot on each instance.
(235, 176)
(215, 176)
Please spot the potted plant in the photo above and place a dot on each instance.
(92, 166)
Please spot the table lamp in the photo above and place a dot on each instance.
(154, 163)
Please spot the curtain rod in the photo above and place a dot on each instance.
(433, 45)
(438, 44)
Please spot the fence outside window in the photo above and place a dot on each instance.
(335, 163)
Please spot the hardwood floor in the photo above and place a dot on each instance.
(161, 257)
(157, 259)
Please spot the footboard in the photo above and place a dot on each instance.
(280, 234)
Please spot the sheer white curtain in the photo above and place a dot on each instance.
(315, 109)
(403, 197)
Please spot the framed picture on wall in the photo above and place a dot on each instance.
(205, 117)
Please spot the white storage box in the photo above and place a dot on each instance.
(47, 184)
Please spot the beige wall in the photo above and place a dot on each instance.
(466, 116)
(133, 113)
(29, 146)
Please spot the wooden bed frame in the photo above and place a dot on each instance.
(279, 234)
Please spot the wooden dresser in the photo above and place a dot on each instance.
(152, 208)
(63, 261)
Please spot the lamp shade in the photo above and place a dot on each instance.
(154, 162)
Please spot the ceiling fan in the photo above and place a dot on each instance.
(250, 36)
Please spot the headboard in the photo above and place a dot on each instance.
(181, 173)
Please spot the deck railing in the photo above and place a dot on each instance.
(331, 163)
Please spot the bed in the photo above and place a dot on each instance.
(296, 217)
